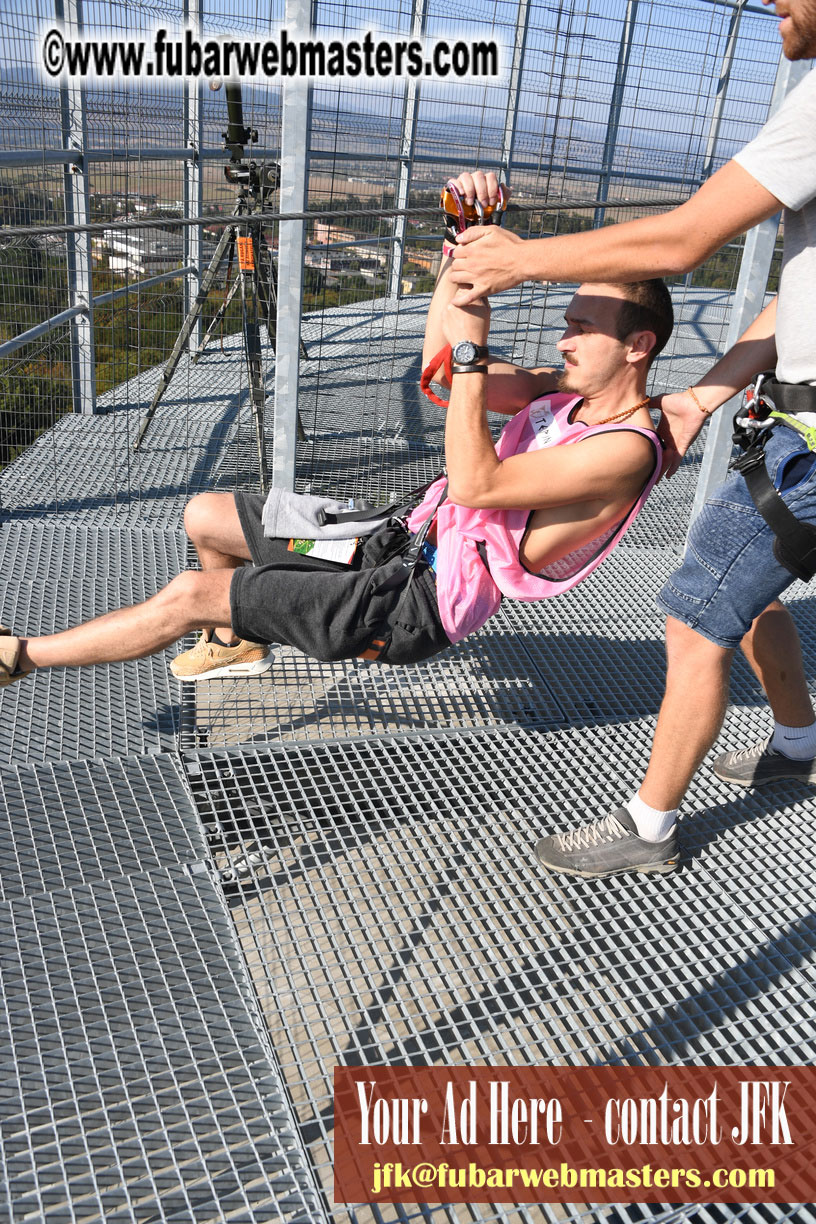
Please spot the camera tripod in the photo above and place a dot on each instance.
(255, 279)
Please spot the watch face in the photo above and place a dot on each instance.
(464, 353)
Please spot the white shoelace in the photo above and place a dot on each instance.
(607, 830)
(755, 751)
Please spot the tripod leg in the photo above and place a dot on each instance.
(266, 288)
(207, 282)
(248, 276)
(222, 310)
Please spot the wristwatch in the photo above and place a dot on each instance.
(468, 356)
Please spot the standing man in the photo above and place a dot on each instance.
(726, 591)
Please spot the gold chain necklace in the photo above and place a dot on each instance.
(622, 416)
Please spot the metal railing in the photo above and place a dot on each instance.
(625, 60)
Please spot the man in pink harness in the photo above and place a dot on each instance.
(527, 518)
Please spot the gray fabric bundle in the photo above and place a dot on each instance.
(288, 515)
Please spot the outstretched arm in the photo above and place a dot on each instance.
(683, 415)
(489, 259)
(510, 387)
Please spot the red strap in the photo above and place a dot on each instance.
(443, 358)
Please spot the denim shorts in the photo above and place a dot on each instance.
(729, 573)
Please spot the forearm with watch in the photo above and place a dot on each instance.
(511, 387)
(470, 455)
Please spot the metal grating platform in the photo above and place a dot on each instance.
(84, 470)
(390, 910)
(601, 646)
(57, 576)
(136, 1086)
(487, 679)
(372, 828)
(78, 822)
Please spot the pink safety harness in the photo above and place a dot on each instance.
(478, 559)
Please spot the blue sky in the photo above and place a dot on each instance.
(566, 86)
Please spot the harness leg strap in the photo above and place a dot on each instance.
(795, 543)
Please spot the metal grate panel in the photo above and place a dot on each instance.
(666, 516)
(74, 823)
(138, 1084)
(601, 646)
(390, 909)
(382, 469)
(58, 576)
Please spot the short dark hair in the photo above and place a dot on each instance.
(647, 306)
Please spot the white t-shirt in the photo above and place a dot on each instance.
(783, 159)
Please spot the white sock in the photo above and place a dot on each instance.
(652, 824)
(798, 743)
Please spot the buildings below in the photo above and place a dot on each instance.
(142, 252)
(333, 253)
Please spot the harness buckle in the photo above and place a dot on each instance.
(758, 407)
(750, 435)
(750, 459)
(794, 543)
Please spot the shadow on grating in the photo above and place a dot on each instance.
(488, 678)
(57, 577)
(665, 518)
(381, 469)
(594, 655)
(800, 600)
(601, 646)
(391, 911)
(138, 1083)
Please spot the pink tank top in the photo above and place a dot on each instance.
(468, 592)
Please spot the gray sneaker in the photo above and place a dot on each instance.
(606, 847)
(759, 764)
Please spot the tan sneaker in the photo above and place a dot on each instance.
(9, 657)
(208, 660)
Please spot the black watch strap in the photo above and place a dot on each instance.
(467, 352)
(468, 369)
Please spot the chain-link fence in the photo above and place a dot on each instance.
(602, 107)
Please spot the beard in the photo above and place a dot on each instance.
(565, 380)
(799, 40)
